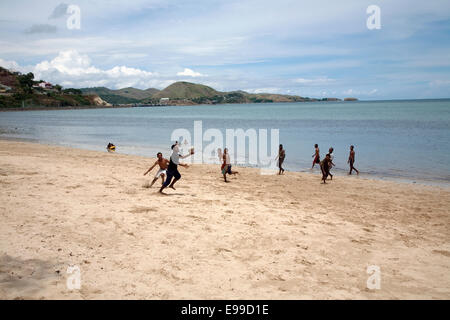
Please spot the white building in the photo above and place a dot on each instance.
(45, 85)
(4, 88)
(164, 100)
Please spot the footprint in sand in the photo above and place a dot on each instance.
(143, 210)
(443, 252)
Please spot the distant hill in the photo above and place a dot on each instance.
(183, 92)
(190, 93)
(186, 90)
(121, 96)
(24, 90)
(21, 90)
(136, 93)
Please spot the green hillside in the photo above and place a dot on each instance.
(134, 93)
(186, 90)
(182, 93)
(21, 90)
(121, 96)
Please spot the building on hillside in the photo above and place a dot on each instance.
(4, 89)
(164, 101)
(45, 85)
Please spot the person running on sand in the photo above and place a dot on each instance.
(226, 165)
(325, 166)
(172, 168)
(281, 156)
(316, 155)
(220, 154)
(163, 163)
(351, 160)
(330, 152)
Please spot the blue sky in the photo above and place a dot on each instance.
(308, 48)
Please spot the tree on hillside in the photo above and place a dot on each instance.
(73, 91)
(26, 82)
(58, 87)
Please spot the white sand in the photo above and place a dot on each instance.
(257, 237)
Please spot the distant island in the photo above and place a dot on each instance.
(22, 91)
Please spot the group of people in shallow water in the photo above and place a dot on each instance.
(169, 174)
(325, 165)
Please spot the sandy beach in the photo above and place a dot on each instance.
(257, 237)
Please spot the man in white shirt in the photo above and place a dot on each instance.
(172, 169)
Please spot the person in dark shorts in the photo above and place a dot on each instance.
(325, 166)
(226, 165)
(281, 156)
(330, 152)
(172, 168)
(351, 160)
(316, 155)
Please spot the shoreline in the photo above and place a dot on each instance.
(257, 237)
(43, 108)
(61, 108)
(374, 177)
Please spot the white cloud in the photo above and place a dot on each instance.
(41, 28)
(10, 65)
(349, 92)
(438, 83)
(70, 68)
(263, 90)
(189, 73)
(314, 82)
(353, 92)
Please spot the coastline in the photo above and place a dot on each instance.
(62, 108)
(273, 237)
(43, 108)
(339, 173)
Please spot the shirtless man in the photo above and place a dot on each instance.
(351, 160)
(330, 152)
(316, 155)
(325, 166)
(172, 168)
(163, 163)
(226, 165)
(281, 156)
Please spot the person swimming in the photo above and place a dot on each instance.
(111, 147)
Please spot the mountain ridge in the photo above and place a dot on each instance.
(183, 92)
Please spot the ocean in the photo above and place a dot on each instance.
(396, 140)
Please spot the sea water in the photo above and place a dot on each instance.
(406, 140)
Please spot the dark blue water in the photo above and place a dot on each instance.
(393, 139)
